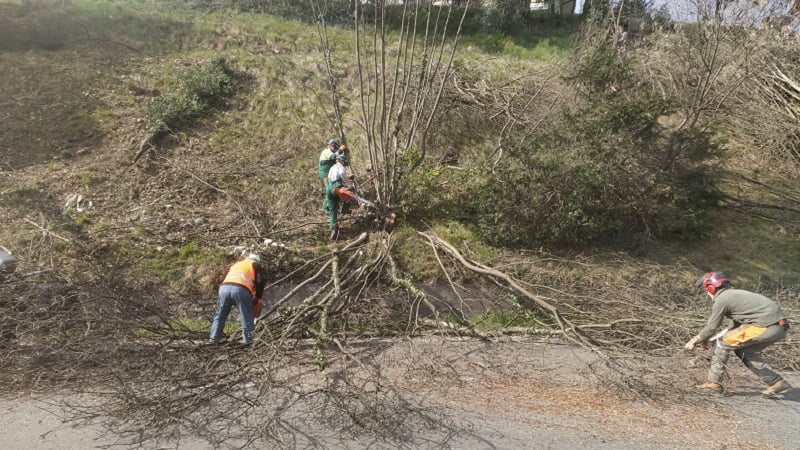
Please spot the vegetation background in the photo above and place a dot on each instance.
(603, 161)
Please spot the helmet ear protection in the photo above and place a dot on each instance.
(713, 282)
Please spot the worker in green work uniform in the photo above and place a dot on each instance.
(327, 158)
(337, 177)
(758, 322)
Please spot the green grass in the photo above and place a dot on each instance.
(189, 326)
(543, 49)
(23, 196)
(466, 241)
(280, 121)
(754, 252)
(415, 256)
(50, 132)
(180, 266)
(192, 92)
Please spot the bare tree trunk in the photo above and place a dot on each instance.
(400, 94)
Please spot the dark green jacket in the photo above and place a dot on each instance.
(743, 307)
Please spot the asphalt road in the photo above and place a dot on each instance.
(518, 393)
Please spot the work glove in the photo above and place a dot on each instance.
(258, 305)
(692, 342)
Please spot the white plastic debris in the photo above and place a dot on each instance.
(77, 203)
(8, 263)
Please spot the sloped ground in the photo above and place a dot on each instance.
(519, 393)
(75, 83)
(74, 90)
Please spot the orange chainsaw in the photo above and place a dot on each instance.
(347, 195)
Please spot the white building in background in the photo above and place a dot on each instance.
(559, 6)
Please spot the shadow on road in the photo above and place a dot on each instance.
(792, 396)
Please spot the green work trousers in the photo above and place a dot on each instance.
(324, 168)
(331, 204)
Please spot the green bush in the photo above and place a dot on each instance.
(607, 170)
(419, 196)
(193, 92)
(600, 69)
(504, 16)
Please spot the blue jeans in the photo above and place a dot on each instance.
(230, 295)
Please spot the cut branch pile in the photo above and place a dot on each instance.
(317, 348)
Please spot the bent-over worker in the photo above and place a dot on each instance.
(758, 322)
(243, 286)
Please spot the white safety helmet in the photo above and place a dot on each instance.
(254, 257)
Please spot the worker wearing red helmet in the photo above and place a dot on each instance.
(758, 322)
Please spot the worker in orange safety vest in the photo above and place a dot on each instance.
(243, 286)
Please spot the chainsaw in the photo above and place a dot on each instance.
(347, 195)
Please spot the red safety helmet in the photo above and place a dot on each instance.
(713, 282)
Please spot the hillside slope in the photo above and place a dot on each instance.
(132, 276)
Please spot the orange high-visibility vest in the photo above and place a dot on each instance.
(243, 273)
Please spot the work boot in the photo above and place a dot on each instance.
(710, 387)
(777, 389)
(335, 233)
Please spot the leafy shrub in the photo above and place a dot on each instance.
(608, 169)
(504, 16)
(419, 197)
(601, 69)
(193, 92)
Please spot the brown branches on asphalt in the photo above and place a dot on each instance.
(335, 347)
(305, 352)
